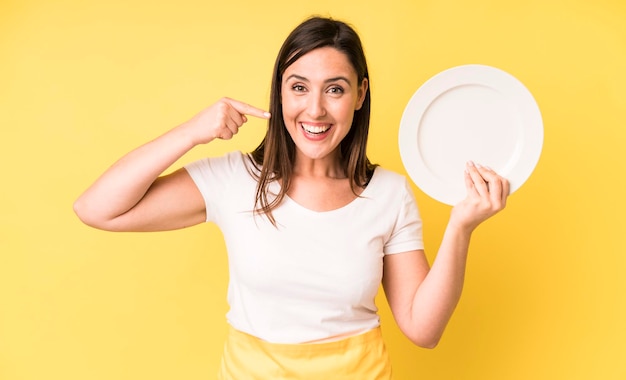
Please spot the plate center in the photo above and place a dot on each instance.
(469, 122)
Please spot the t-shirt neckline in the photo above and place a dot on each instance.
(364, 194)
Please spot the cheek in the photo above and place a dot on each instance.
(345, 111)
(287, 112)
(286, 103)
(289, 117)
(291, 108)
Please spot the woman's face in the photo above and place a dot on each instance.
(320, 92)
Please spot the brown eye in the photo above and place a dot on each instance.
(336, 90)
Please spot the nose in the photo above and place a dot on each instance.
(316, 107)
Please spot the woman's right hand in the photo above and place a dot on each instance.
(221, 120)
(133, 195)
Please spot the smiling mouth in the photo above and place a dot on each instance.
(315, 129)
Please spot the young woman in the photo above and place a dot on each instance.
(311, 226)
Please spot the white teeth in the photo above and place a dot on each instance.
(315, 129)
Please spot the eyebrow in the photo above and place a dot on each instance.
(334, 79)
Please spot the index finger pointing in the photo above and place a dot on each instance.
(247, 109)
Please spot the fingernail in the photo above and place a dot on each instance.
(470, 163)
(478, 166)
(267, 114)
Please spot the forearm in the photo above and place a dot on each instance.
(439, 293)
(126, 182)
(423, 298)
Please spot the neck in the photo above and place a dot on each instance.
(326, 167)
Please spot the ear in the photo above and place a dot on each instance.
(362, 91)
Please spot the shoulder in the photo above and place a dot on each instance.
(390, 188)
(385, 180)
(221, 172)
(229, 162)
(396, 208)
(389, 175)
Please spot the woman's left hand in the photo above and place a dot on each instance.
(487, 193)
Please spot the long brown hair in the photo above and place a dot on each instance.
(274, 157)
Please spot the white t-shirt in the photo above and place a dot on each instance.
(316, 274)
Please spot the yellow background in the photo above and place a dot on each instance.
(82, 82)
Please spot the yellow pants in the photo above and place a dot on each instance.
(361, 357)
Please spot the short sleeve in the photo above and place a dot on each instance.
(213, 177)
(407, 231)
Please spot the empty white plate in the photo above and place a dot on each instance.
(472, 112)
